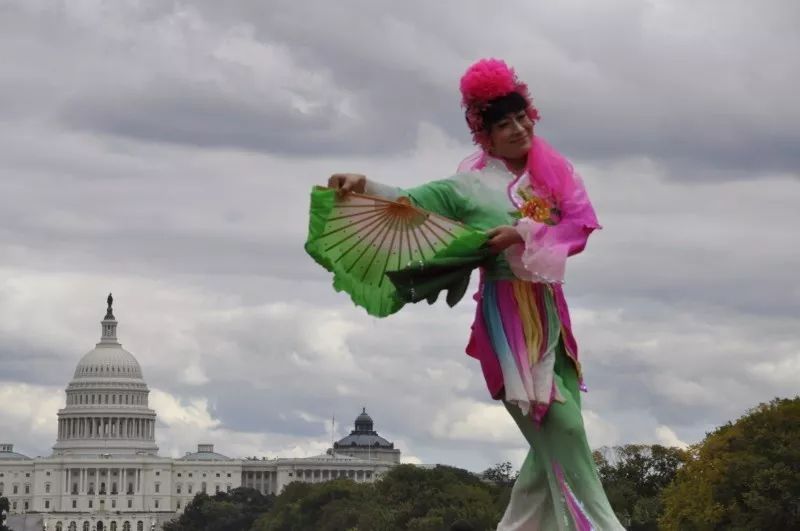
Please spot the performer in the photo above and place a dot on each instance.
(537, 213)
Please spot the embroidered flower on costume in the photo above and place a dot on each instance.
(538, 208)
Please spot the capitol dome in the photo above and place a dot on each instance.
(107, 409)
(108, 361)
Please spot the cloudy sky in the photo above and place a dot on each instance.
(165, 150)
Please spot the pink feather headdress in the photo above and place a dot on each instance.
(483, 82)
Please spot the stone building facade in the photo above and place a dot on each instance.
(105, 473)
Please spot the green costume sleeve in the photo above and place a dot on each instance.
(440, 197)
(450, 270)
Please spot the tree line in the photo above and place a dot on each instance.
(744, 475)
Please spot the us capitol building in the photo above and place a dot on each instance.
(105, 473)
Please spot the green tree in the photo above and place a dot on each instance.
(744, 475)
(500, 474)
(634, 477)
(406, 498)
(232, 511)
(4, 508)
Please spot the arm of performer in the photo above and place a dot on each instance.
(545, 248)
(440, 197)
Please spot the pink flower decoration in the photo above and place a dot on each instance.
(484, 81)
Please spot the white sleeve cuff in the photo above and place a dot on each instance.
(382, 190)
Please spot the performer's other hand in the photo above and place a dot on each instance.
(502, 237)
(348, 182)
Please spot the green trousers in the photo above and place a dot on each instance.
(558, 487)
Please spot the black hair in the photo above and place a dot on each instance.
(498, 108)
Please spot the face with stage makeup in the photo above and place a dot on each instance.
(509, 128)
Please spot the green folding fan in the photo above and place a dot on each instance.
(385, 253)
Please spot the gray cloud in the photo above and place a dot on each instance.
(165, 152)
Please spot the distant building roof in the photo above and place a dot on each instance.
(364, 436)
(205, 452)
(7, 453)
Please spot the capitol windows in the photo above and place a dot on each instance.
(228, 489)
(113, 504)
(47, 504)
(59, 526)
(139, 526)
(73, 526)
(217, 474)
(90, 504)
(216, 489)
(229, 474)
(113, 526)
(74, 504)
(14, 506)
(130, 504)
(189, 488)
(203, 487)
(75, 488)
(126, 526)
(179, 504)
(86, 526)
(178, 488)
(47, 488)
(26, 506)
(14, 489)
(130, 488)
(158, 487)
(156, 503)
